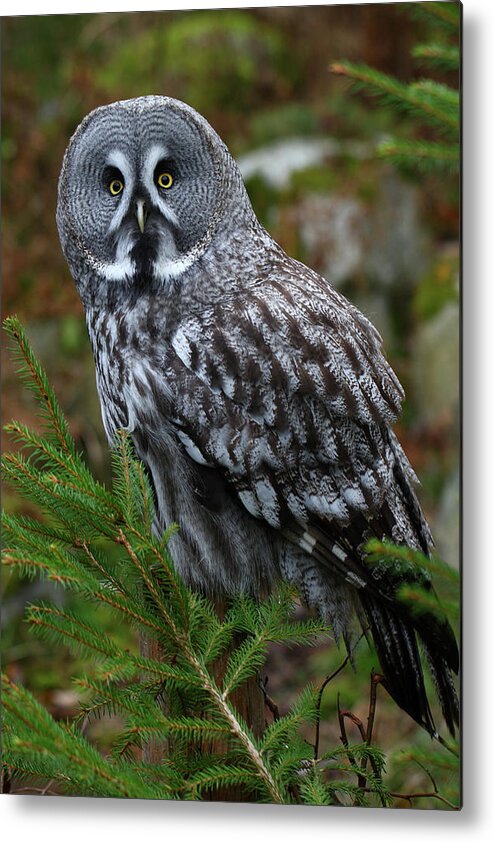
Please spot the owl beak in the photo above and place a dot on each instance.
(141, 214)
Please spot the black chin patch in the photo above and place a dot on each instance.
(143, 255)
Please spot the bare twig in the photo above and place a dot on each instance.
(33, 789)
(319, 701)
(409, 796)
(376, 679)
(46, 789)
(342, 714)
(356, 721)
(268, 701)
(325, 683)
(428, 773)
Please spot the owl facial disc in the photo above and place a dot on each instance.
(140, 189)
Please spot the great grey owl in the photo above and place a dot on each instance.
(256, 395)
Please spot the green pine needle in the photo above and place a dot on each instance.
(443, 56)
(36, 380)
(421, 155)
(444, 14)
(433, 102)
(98, 544)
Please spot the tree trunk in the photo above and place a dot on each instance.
(248, 701)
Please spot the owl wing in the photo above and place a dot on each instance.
(285, 390)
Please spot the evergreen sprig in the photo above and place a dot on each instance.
(446, 15)
(434, 106)
(443, 56)
(35, 745)
(99, 545)
(425, 156)
(434, 103)
(418, 595)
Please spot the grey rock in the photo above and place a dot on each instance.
(331, 231)
(344, 235)
(380, 239)
(398, 248)
(447, 522)
(375, 306)
(278, 161)
(435, 369)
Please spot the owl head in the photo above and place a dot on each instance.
(145, 183)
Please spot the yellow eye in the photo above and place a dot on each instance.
(164, 180)
(115, 186)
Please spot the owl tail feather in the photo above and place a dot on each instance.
(441, 675)
(403, 637)
(398, 652)
(395, 628)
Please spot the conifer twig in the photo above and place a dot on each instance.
(412, 97)
(239, 732)
(32, 371)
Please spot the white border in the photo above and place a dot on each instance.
(28, 7)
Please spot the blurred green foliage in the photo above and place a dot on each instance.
(437, 287)
(241, 55)
(434, 105)
(257, 74)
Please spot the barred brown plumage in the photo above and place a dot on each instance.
(256, 395)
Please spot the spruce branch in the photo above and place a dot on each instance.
(442, 56)
(283, 730)
(98, 543)
(434, 102)
(386, 551)
(220, 775)
(446, 14)
(433, 105)
(40, 745)
(238, 729)
(427, 156)
(36, 380)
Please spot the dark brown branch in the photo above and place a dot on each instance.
(409, 796)
(342, 714)
(376, 679)
(319, 701)
(268, 701)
